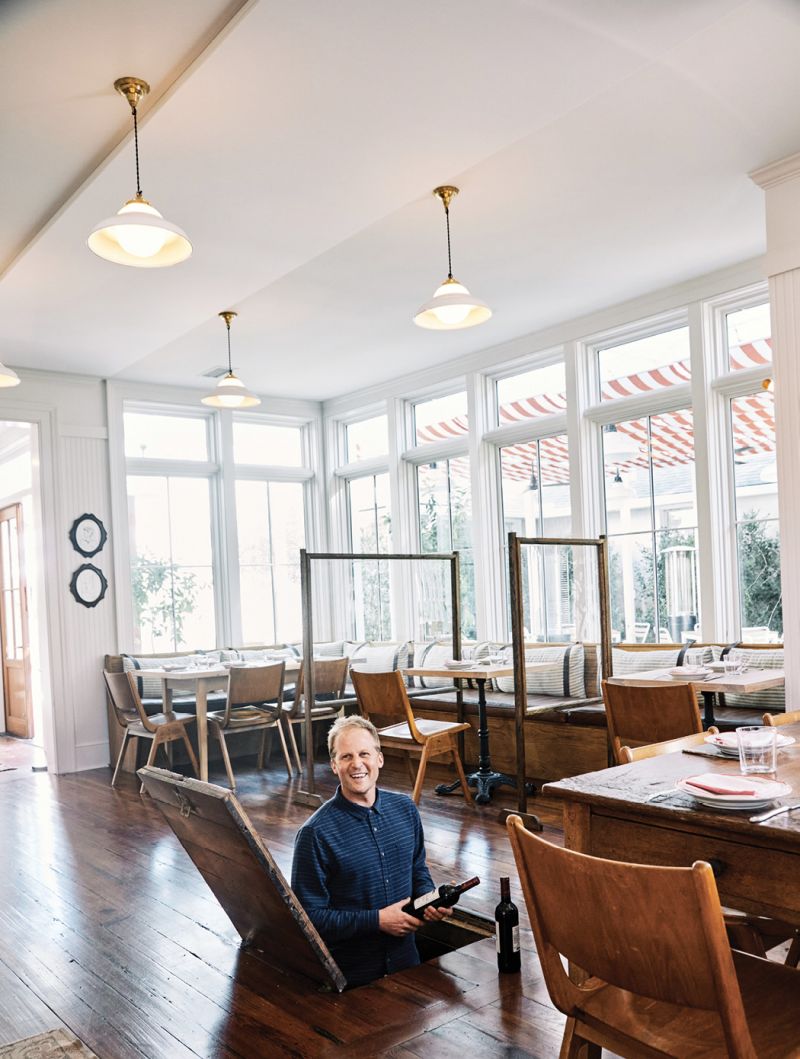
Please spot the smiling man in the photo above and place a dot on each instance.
(359, 859)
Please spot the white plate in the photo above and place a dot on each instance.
(718, 667)
(768, 791)
(455, 664)
(689, 672)
(728, 744)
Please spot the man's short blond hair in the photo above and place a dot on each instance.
(341, 724)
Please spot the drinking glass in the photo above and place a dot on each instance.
(758, 748)
(732, 665)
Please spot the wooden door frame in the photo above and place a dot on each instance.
(19, 519)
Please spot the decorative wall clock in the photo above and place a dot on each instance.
(88, 585)
(88, 535)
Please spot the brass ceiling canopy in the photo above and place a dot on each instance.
(133, 88)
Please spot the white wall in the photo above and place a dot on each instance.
(73, 446)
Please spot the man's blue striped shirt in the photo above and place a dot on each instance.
(349, 862)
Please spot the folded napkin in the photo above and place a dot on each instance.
(717, 784)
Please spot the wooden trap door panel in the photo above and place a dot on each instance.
(215, 831)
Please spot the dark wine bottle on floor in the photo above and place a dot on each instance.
(506, 918)
(444, 897)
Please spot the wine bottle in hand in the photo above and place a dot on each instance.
(506, 919)
(443, 897)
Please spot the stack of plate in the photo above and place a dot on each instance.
(764, 791)
(457, 663)
(728, 744)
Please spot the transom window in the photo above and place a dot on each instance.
(367, 438)
(441, 418)
(749, 338)
(156, 436)
(532, 394)
(644, 364)
(267, 444)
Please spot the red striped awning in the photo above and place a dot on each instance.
(671, 433)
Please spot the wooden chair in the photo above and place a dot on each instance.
(162, 728)
(774, 720)
(649, 713)
(753, 934)
(330, 676)
(254, 703)
(657, 975)
(628, 754)
(382, 697)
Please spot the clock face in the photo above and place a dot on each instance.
(88, 535)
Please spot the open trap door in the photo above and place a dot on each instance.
(216, 832)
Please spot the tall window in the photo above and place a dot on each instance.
(445, 523)
(536, 503)
(270, 523)
(651, 522)
(370, 531)
(172, 578)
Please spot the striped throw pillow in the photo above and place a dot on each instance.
(561, 677)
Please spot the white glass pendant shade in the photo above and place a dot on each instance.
(8, 377)
(138, 235)
(231, 393)
(452, 307)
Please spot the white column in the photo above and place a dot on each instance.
(781, 183)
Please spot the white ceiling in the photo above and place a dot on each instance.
(601, 147)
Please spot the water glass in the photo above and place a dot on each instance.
(758, 748)
(732, 665)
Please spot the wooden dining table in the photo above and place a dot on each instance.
(745, 683)
(200, 682)
(757, 865)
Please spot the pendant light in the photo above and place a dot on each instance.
(138, 235)
(8, 377)
(231, 391)
(452, 306)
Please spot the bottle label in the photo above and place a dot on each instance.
(426, 899)
(514, 940)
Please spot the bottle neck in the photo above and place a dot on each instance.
(505, 889)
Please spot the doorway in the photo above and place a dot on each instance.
(23, 680)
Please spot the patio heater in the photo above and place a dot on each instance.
(680, 576)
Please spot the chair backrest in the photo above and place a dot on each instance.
(657, 932)
(649, 714)
(255, 686)
(774, 720)
(124, 697)
(628, 754)
(383, 699)
(330, 677)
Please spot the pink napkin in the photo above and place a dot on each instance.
(717, 784)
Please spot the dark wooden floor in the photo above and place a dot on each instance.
(107, 928)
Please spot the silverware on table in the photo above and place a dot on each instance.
(762, 817)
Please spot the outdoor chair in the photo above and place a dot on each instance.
(657, 976)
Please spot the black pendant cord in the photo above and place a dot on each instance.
(449, 260)
(230, 369)
(136, 150)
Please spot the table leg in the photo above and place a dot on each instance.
(202, 728)
(485, 779)
(708, 708)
